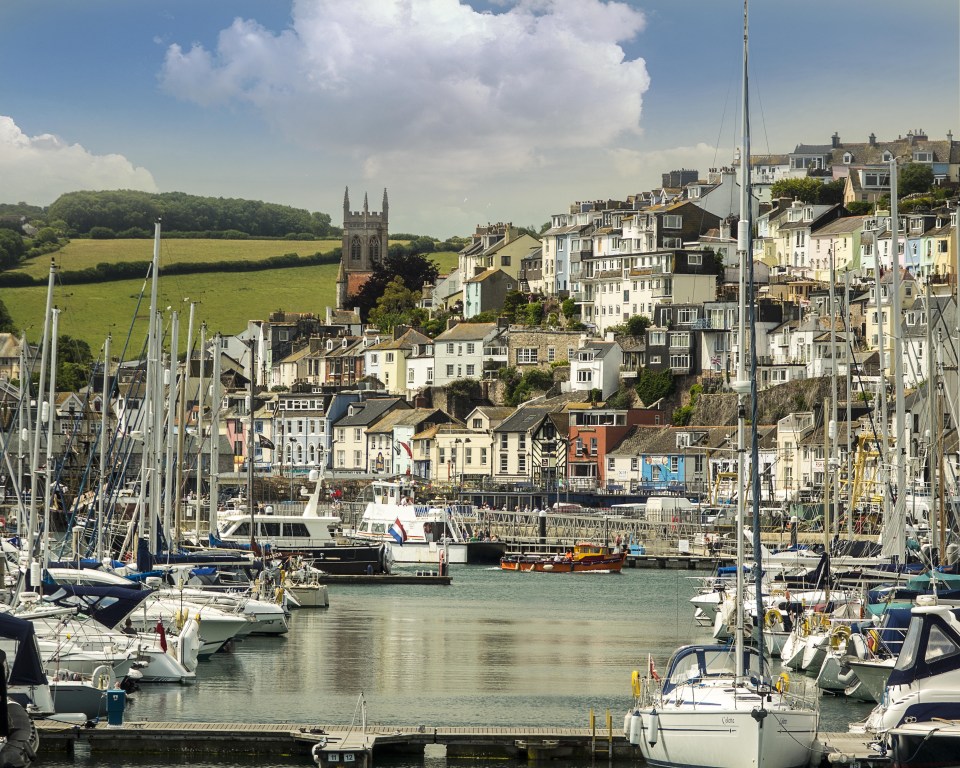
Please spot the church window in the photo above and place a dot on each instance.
(355, 249)
(374, 249)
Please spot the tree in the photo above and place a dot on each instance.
(805, 189)
(512, 303)
(74, 360)
(637, 325)
(653, 385)
(394, 305)
(859, 207)
(12, 249)
(914, 178)
(6, 321)
(569, 308)
(413, 269)
(831, 193)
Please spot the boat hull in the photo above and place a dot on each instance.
(612, 564)
(728, 739)
(925, 745)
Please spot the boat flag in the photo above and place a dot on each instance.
(265, 442)
(163, 635)
(398, 531)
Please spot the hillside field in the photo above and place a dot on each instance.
(225, 300)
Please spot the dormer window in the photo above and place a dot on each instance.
(887, 156)
(847, 158)
(329, 345)
(922, 157)
(343, 344)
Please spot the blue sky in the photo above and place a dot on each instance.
(492, 110)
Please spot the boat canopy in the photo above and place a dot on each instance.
(701, 662)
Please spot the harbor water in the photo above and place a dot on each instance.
(493, 648)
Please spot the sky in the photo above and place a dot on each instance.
(467, 111)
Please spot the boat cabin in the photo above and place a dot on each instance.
(931, 647)
(700, 663)
(392, 493)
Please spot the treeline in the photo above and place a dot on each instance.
(129, 213)
(131, 270)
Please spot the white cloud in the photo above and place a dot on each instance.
(38, 169)
(430, 89)
(647, 166)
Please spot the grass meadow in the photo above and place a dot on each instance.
(225, 301)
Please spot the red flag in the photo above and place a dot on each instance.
(163, 635)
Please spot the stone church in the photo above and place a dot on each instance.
(364, 246)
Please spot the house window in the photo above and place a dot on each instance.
(527, 356)
(373, 358)
(522, 462)
(483, 457)
(673, 242)
(503, 441)
(449, 370)
(389, 357)
(672, 222)
(410, 376)
(681, 362)
(585, 377)
(522, 442)
(657, 338)
(477, 424)
(674, 464)
(551, 354)
(680, 340)
(634, 464)
(611, 464)
(358, 433)
(449, 349)
(695, 259)
(504, 462)
(593, 446)
(471, 347)
(686, 315)
(442, 456)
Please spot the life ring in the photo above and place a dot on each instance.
(783, 683)
(102, 677)
(772, 619)
(635, 683)
(839, 636)
(873, 641)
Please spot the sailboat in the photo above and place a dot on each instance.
(717, 706)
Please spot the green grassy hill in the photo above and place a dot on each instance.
(225, 300)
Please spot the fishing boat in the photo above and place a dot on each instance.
(718, 706)
(583, 557)
(419, 533)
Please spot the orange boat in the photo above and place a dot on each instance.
(583, 557)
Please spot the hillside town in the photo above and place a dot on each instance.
(611, 372)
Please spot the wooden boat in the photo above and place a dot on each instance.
(583, 557)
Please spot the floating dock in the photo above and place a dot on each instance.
(364, 744)
(679, 562)
(426, 577)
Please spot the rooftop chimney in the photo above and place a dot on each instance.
(873, 140)
(835, 140)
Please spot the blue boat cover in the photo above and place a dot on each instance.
(105, 605)
(27, 668)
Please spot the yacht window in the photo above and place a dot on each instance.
(241, 530)
(939, 645)
(270, 529)
(296, 529)
(908, 653)
(379, 528)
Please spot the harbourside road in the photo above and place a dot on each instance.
(225, 739)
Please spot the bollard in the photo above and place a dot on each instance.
(116, 702)
(609, 735)
(593, 732)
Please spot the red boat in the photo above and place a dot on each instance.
(583, 557)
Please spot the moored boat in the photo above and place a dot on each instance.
(583, 557)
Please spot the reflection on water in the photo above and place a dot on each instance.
(493, 648)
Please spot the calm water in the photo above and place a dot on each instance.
(493, 648)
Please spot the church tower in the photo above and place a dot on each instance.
(363, 248)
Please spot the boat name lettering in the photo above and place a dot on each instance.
(729, 721)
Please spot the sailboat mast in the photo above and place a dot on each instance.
(898, 538)
(741, 386)
(104, 426)
(35, 445)
(250, 505)
(51, 427)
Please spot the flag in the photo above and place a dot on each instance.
(398, 531)
(265, 442)
(163, 635)
(406, 447)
